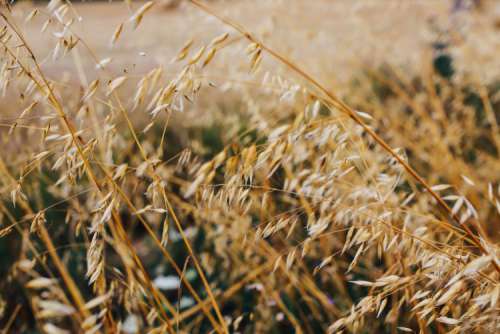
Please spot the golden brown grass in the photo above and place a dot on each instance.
(284, 208)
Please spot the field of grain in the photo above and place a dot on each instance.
(267, 166)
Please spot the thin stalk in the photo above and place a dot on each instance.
(332, 100)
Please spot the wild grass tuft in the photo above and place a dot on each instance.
(227, 189)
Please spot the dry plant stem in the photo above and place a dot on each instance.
(303, 284)
(228, 292)
(269, 291)
(341, 235)
(148, 228)
(28, 209)
(169, 207)
(84, 81)
(174, 217)
(268, 249)
(293, 320)
(297, 280)
(333, 101)
(449, 227)
(51, 96)
(70, 283)
(76, 140)
(420, 110)
(158, 298)
(420, 321)
(11, 320)
(264, 248)
(155, 239)
(490, 114)
(169, 258)
(118, 230)
(76, 293)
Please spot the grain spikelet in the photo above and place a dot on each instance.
(476, 265)
(53, 329)
(197, 56)
(103, 63)
(219, 39)
(209, 57)
(448, 321)
(91, 89)
(440, 187)
(97, 301)
(41, 283)
(31, 15)
(115, 83)
(139, 14)
(164, 233)
(116, 34)
(55, 308)
(184, 51)
(450, 293)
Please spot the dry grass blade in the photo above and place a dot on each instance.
(211, 184)
(330, 98)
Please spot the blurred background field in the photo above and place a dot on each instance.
(328, 37)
